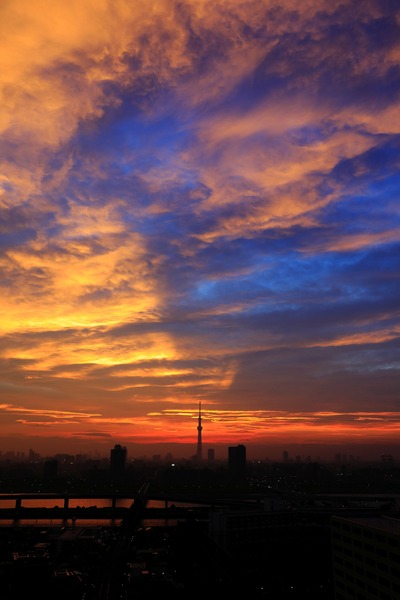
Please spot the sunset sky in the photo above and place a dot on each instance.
(199, 202)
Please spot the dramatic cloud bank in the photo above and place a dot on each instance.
(199, 203)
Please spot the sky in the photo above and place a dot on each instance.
(199, 202)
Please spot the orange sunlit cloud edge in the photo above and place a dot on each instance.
(171, 425)
(196, 204)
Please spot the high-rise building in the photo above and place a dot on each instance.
(366, 557)
(237, 460)
(210, 455)
(117, 460)
(33, 456)
(50, 469)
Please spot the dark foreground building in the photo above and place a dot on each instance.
(366, 558)
(118, 460)
(237, 461)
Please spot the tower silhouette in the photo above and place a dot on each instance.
(199, 454)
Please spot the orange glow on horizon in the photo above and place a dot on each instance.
(219, 426)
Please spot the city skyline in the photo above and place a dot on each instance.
(199, 204)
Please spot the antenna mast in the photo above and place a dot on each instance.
(199, 429)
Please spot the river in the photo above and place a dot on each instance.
(84, 503)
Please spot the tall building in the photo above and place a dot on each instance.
(199, 454)
(366, 557)
(117, 460)
(284, 553)
(237, 460)
(50, 469)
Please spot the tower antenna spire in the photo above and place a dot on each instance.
(199, 454)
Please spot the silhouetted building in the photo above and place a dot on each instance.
(210, 455)
(50, 469)
(366, 557)
(237, 460)
(117, 460)
(33, 456)
(387, 459)
(284, 553)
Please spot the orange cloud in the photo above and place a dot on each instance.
(55, 414)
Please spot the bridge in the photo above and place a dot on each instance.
(62, 508)
(199, 505)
